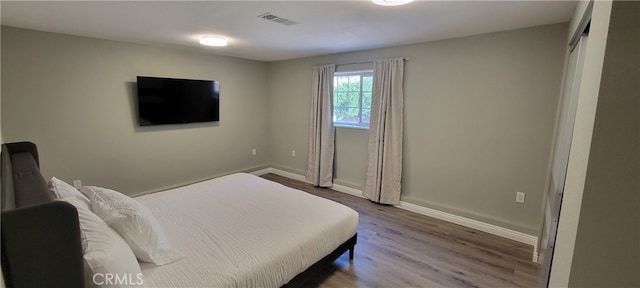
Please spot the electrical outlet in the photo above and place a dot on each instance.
(77, 184)
(520, 197)
(293, 153)
(254, 152)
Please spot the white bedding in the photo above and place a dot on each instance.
(244, 231)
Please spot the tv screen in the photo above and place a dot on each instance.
(177, 101)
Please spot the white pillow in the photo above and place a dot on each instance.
(105, 252)
(135, 223)
(65, 191)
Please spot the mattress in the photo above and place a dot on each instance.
(244, 231)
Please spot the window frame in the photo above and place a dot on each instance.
(362, 74)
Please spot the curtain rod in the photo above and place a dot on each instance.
(363, 62)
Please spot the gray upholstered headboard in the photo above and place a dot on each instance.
(41, 244)
(22, 183)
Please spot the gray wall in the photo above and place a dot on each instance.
(478, 125)
(479, 120)
(73, 96)
(607, 247)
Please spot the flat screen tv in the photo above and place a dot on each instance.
(177, 101)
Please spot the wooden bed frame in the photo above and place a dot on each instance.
(41, 245)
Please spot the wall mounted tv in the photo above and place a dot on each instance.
(177, 101)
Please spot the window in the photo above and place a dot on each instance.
(352, 98)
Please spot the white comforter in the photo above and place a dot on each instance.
(244, 231)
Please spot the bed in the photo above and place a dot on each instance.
(235, 231)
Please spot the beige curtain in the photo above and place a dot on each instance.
(384, 172)
(321, 137)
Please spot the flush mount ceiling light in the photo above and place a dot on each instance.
(391, 2)
(213, 41)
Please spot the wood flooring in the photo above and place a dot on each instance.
(398, 248)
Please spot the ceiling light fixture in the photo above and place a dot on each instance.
(213, 41)
(391, 2)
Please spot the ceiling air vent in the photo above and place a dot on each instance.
(278, 19)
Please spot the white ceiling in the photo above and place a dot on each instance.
(324, 26)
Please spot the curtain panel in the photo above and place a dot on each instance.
(321, 132)
(384, 170)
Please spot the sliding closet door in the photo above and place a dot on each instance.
(562, 149)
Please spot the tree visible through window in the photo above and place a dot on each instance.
(352, 98)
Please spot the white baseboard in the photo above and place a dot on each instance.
(475, 224)
(348, 190)
(282, 173)
(294, 176)
(262, 172)
(463, 221)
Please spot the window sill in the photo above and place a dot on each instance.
(351, 126)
